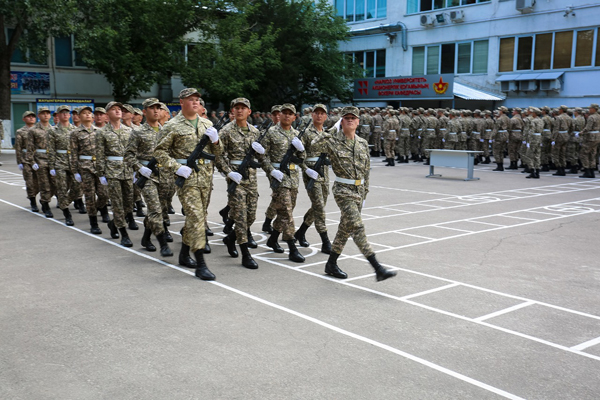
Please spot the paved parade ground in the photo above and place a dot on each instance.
(497, 296)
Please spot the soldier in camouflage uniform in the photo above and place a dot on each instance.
(138, 153)
(450, 140)
(390, 131)
(127, 113)
(115, 174)
(278, 140)
(527, 117)
(29, 175)
(365, 124)
(99, 117)
(403, 143)
(563, 128)
(138, 116)
(546, 155)
(500, 137)
(180, 137)
(350, 161)
(37, 156)
(376, 132)
(590, 139)
(166, 189)
(477, 134)
(83, 166)
(429, 133)
(534, 142)
(515, 138)
(486, 136)
(271, 213)
(320, 190)
(442, 128)
(575, 140)
(415, 136)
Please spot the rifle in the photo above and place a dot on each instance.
(248, 161)
(319, 167)
(199, 152)
(289, 156)
(152, 164)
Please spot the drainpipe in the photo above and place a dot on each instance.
(388, 29)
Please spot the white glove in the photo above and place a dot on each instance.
(577, 134)
(297, 144)
(21, 167)
(492, 141)
(78, 178)
(524, 142)
(134, 177)
(184, 171)
(235, 176)
(277, 174)
(35, 166)
(212, 134)
(145, 171)
(257, 147)
(364, 202)
(527, 145)
(418, 137)
(103, 180)
(53, 172)
(312, 173)
(443, 140)
(481, 140)
(553, 143)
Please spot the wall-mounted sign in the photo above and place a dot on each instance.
(418, 87)
(29, 82)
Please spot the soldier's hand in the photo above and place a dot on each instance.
(35, 166)
(524, 142)
(103, 180)
(553, 143)
(235, 176)
(312, 173)
(576, 134)
(184, 171)
(277, 174)
(145, 171)
(78, 178)
(257, 147)
(443, 140)
(212, 134)
(297, 143)
(364, 202)
(527, 145)
(481, 140)
(53, 172)
(21, 167)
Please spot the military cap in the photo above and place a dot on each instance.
(76, 110)
(86, 108)
(27, 113)
(421, 109)
(150, 102)
(517, 109)
(164, 107)
(546, 108)
(415, 111)
(128, 108)
(350, 110)
(275, 108)
(321, 106)
(289, 107)
(112, 104)
(42, 109)
(594, 106)
(487, 112)
(535, 110)
(455, 113)
(187, 92)
(555, 110)
(503, 109)
(62, 108)
(99, 110)
(240, 100)
(389, 107)
(137, 111)
(564, 108)
(377, 109)
(477, 111)
(578, 110)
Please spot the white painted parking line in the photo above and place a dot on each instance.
(411, 296)
(454, 229)
(587, 344)
(505, 311)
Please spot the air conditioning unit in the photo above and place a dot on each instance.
(508, 86)
(524, 6)
(527, 86)
(457, 16)
(553, 84)
(427, 20)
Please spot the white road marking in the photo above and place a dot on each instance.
(505, 311)
(587, 344)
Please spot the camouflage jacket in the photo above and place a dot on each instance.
(83, 143)
(140, 148)
(405, 122)
(59, 141)
(276, 144)
(478, 125)
(37, 139)
(178, 140)
(391, 128)
(502, 123)
(488, 128)
(110, 143)
(236, 144)
(376, 123)
(564, 124)
(365, 124)
(536, 125)
(578, 123)
(313, 152)
(350, 160)
(592, 125)
(430, 126)
(21, 145)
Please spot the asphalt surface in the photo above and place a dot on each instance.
(497, 296)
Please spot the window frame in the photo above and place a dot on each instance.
(365, 12)
(355, 55)
(30, 61)
(456, 53)
(73, 54)
(446, 6)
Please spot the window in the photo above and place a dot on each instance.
(480, 56)
(543, 51)
(416, 6)
(451, 58)
(507, 54)
(447, 60)
(372, 62)
(65, 54)
(418, 60)
(464, 58)
(433, 59)
(583, 50)
(361, 10)
(563, 49)
(525, 46)
(18, 55)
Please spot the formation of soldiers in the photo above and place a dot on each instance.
(108, 156)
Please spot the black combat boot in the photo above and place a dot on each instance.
(426, 162)
(33, 204)
(300, 235)
(125, 241)
(326, 244)
(94, 225)
(146, 242)
(224, 213)
(139, 209)
(331, 268)
(500, 167)
(167, 234)
(167, 221)
(229, 241)
(381, 272)
(171, 210)
(399, 158)
(251, 242)
(546, 168)
(587, 173)
(476, 161)
(592, 173)
(513, 165)
(247, 260)
(526, 170)
(184, 256)
(209, 232)
(202, 270)
(207, 249)
(559, 172)
(267, 225)
(104, 214)
(406, 160)
(488, 160)
(228, 227)
(574, 169)
(295, 255)
(68, 217)
(114, 232)
(131, 222)
(531, 174)
(165, 251)
(81, 206)
(272, 242)
(537, 174)
(46, 210)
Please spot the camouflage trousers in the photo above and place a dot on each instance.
(153, 219)
(524, 153)
(351, 224)
(31, 183)
(194, 230)
(120, 192)
(499, 146)
(166, 191)
(589, 149)
(270, 213)
(546, 154)
(428, 142)
(137, 193)
(403, 145)
(91, 188)
(485, 147)
(534, 152)
(318, 200)
(448, 145)
(284, 202)
(206, 194)
(375, 140)
(243, 210)
(388, 147)
(415, 144)
(559, 153)
(67, 188)
(573, 151)
(46, 184)
(513, 149)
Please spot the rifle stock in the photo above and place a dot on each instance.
(141, 182)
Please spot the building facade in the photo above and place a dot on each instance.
(500, 52)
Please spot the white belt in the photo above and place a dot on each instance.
(443, 129)
(24, 150)
(350, 181)
(393, 130)
(114, 158)
(536, 134)
(85, 157)
(312, 159)
(477, 133)
(40, 150)
(516, 130)
(235, 162)
(200, 161)
(377, 126)
(430, 129)
(546, 130)
(62, 151)
(452, 133)
(277, 165)
(595, 132)
(502, 130)
(488, 130)
(573, 132)
(563, 131)
(405, 129)
(366, 126)
(144, 162)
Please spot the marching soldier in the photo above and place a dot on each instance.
(403, 146)
(546, 139)
(534, 142)
(138, 116)
(365, 124)
(376, 127)
(563, 126)
(477, 135)
(391, 128)
(500, 137)
(486, 135)
(29, 175)
(590, 139)
(429, 133)
(527, 117)
(99, 117)
(454, 128)
(270, 213)
(515, 138)
(574, 140)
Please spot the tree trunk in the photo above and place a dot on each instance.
(5, 95)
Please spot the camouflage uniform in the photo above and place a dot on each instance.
(546, 141)
(590, 138)
(478, 129)
(59, 148)
(575, 140)
(37, 141)
(526, 139)
(179, 139)
(563, 127)
(486, 135)
(415, 134)
(403, 146)
(442, 130)
(376, 131)
(111, 144)
(390, 131)
(83, 162)
(534, 143)
(515, 138)
(429, 133)
(320, 191)
(29, 175)
(500, 138)
(365, 125)
(454, 127)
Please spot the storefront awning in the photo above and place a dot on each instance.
(468, 93)
(540, 76)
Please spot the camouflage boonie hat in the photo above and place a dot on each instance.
(99, 110)
(62, 108)
(240, 100)
(288, 106)
(112, 104)
(150, 102)
(187, 92)
(86, 108)
(487, 112)
(594, 106)
(275, 108)
(477, 112)
(42, 109)
(27, 113)
(321, 106)
(137, 111)
(350, 110)
(128, 108)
